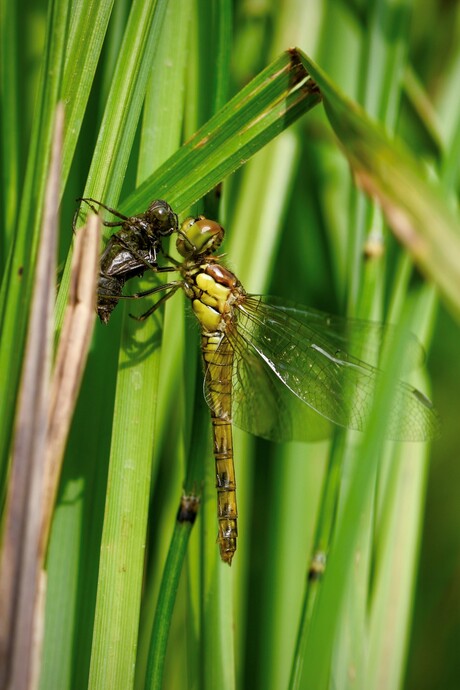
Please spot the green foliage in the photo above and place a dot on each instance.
(166, 99)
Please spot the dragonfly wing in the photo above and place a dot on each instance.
(363, 339)
(336, 385)
(261, 402)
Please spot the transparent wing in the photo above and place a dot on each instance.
(261, 403)
(362, 339)
(286, 373)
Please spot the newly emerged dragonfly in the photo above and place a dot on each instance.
(279, 371)
(132, 250)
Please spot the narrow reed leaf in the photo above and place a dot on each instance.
(265, 107)
(168, 592)
(125, 522)
(10, 135)
(87, 30)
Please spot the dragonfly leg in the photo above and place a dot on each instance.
(167, 269)
(88, 200)
(144, 293)
(158, 304)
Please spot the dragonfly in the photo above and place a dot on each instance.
(278, 370)
(132, 250)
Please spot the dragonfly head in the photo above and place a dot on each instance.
(161, 218)
(199, 236)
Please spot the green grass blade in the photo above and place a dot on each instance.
(166, 601)
(9, 123)
(87, 30)
(382, 63)
(177, 549)
(223, 35)
(125, 99)
(320, 549)
(121, 565)
(135, 406)
(260, 111)
(396, 558)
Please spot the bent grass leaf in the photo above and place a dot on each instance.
(415, 208)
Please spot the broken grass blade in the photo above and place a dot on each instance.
(71, 358)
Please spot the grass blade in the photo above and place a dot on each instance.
(119, 589)
(265, 107)
(87, 30)
(9, 123)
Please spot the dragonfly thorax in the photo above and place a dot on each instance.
(213, 291)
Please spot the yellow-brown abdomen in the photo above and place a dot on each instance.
(218, 361)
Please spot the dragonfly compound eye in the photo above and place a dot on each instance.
(162, 218)
(199, 235)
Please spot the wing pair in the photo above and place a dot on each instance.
(296, 370)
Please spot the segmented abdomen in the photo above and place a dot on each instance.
(218, 372)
